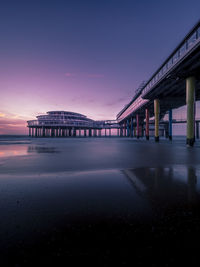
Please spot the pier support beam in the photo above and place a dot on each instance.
(127, 125)
(124, 129)
(121, 130)
(52, 132)
(190, 101)
(156, 115)
(36, 132)
(138, 127)
(131, 133)
(147, 124)
(197, 129)
(170, 124)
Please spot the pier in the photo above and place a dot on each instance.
(176, 83)
(70, 124)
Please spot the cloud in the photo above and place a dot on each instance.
(2, 115)
(87, 75)
(69, 74)
(116, 102)
(94, 75)
(12, 126)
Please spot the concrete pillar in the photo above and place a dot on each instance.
(142, 130)
(43, 131)
(29, 131)
(138, 128)
(99, 132)
(74, 132)
(147, 124)
(135, 131)
(52, 132)
(170, 124)
(90, 132)
(190, 100)
(110, 132)
(156, 115)
(105, 131)
(166, 130)
(131, 133)
(36, 132)
(85, 133)
(128, 130)
(124, 128)
(121, 131)
(197, 129)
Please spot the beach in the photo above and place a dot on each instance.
(98, 200)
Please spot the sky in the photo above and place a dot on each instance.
(82, 56)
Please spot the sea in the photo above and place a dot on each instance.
(100, 201)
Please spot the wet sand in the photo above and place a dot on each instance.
(101, 201)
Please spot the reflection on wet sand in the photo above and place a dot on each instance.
(41, 149)
(51, 213)
(166, 187)
(192, 182)
(15, 150)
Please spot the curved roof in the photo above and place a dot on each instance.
(63, 118)
(57, 112)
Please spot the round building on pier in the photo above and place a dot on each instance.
(63, 124)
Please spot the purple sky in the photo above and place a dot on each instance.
(82, 56)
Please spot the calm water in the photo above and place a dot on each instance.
(103, 201)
